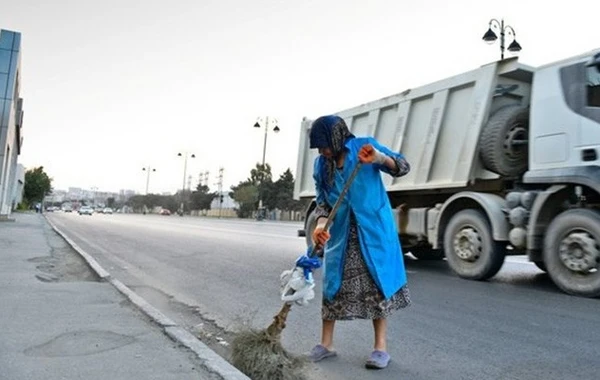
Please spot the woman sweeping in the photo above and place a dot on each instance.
(364, 275)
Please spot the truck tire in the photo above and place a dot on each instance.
(311, 223)
(572, 252)
(504, 141)
(470, 249)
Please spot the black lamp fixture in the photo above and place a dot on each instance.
(490, 36)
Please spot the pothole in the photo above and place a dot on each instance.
(63, 264)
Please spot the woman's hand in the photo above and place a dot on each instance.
(369, 155)
(320, 236)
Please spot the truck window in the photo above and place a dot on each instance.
(593, 86)
(581, 89)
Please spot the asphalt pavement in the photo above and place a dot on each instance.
(64, 317)
(205, 274)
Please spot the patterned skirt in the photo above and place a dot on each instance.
(359, 297)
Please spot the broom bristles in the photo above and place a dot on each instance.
(260, 355)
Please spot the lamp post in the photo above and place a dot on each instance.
(94, 189)
(490, 36)
(267, 121)
(148, 170)
(185, 158)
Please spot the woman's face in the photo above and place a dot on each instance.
(325, 152)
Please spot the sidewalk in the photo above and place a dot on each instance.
(61, 320)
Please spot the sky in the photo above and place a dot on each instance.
(113, 86)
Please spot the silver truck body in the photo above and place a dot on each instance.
(436, 127)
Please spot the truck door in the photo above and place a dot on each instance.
(590, 124)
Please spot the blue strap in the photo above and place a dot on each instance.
(308, 264)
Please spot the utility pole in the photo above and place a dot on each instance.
(148, 170)
(220, 184)
(185, 158)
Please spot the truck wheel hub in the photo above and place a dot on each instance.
(580, 252)
(513, 142)
(467, 244)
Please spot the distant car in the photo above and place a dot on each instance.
(107, 210)
(165, 211)
(87, 210)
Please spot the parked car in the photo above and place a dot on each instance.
(107, 210)
(87, 210)
(165, 211)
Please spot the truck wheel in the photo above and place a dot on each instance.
(311, 223)
(470, 248)
(426, 253)
(504, 141)
(572, 252)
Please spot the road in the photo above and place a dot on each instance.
(213, 275)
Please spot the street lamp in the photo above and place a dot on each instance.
(267, 123)
(490, 36)
(94, 189)
(148, 169)
(185, 158)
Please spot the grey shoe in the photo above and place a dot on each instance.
(378, 360)
(320, 352)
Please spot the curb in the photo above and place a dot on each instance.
(211, 361)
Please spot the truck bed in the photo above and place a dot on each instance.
(436, 127)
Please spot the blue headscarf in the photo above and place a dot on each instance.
(330, 132)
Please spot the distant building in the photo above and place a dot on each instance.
(228, 202)
(57, 196)
(11, 117)
(124, 195)
(75, 193)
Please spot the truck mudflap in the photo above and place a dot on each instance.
(493, 205)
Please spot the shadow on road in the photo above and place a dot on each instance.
(521, 275)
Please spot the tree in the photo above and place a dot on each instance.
(37, 185)
(262, 179)
(284, 193)
(246, 195)
(260, 174)
(201, 198)
(136, 202)
(110, 202)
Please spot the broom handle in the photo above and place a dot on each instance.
(338, 203)
(278, 324)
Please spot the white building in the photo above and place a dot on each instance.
(11, 117)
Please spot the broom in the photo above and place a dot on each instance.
(259, 354)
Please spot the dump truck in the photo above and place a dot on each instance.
(504, 161)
